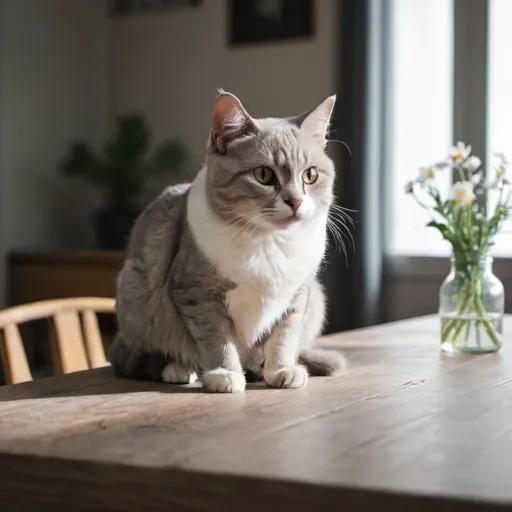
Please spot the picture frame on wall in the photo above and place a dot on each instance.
(119, 8)
(266, 21)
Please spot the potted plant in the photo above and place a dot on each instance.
(471, 298)
(121, 173)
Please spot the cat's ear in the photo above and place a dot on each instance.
(230, 120)
(316, 122)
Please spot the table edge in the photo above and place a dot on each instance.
(89, 481)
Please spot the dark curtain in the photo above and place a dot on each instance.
(353, 284)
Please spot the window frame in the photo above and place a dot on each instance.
(470, 105)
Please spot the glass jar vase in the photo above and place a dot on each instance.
(471, 306)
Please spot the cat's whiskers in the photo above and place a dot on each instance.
(251, 222)
(341, 142)
(344, 212)
(263, 214)
(343, 208)
(335, 217)
(338, 239)
(232, 223)
(239, 219)
(339, 213)
(223, 209)
(244, 214)
(334, 230)
(342, 235)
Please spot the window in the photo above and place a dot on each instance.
(421, 113)
(441, 85)
(499, 98)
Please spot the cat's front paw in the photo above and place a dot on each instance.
(223, 381)
(177, 373)
(287, 377)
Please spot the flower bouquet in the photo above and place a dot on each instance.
(471, 297)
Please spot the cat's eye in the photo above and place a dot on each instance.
(264, 175)
(309, 176)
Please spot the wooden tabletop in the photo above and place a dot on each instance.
(408, 428)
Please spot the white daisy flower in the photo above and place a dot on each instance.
(498, 182)
(459, 153)
(500, 172)
(503, 159)
(426, 173)
(503, 165)
(472, 164)
(462, 192)
(477, 178)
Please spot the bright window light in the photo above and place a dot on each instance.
(499, 97)
(421, 115)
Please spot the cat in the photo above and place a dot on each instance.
(220, 279)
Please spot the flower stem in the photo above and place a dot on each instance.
(466, 334)
(489, 328)
(460, 325)
(470, 227)
(471, 302)
(464, 304)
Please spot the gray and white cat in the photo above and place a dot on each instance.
(220, 279)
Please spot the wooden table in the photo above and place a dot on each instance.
(408, 428)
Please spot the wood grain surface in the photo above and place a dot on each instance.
(407, 428)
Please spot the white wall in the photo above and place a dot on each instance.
(53, 87)
(168, 65)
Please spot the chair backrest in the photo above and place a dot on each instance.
(75, 335)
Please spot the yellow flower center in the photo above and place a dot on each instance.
(461, 192)
(500, 173)
(430, 173)
(458, 156)
(467, 201)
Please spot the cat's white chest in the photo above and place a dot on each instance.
(267, 277)
(254, 310)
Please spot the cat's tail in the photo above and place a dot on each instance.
(322, 363)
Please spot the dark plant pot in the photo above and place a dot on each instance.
(113, 228)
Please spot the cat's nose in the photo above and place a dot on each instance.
(294, 204)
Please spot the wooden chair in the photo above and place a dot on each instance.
(73, 348)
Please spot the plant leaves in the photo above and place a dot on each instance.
(82, 163)
(122, 171)
(443, 229)
(169, 157)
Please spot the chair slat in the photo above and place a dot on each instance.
(93, 341)
(70, 342)
(14, 360)
(70, 351)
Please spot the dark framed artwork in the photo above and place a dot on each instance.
(119, 8)
(265, 21)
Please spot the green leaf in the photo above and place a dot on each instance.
(130, 143)
(443, 229)
(169, 157)
(82, 163)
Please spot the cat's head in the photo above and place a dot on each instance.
(272, 173)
